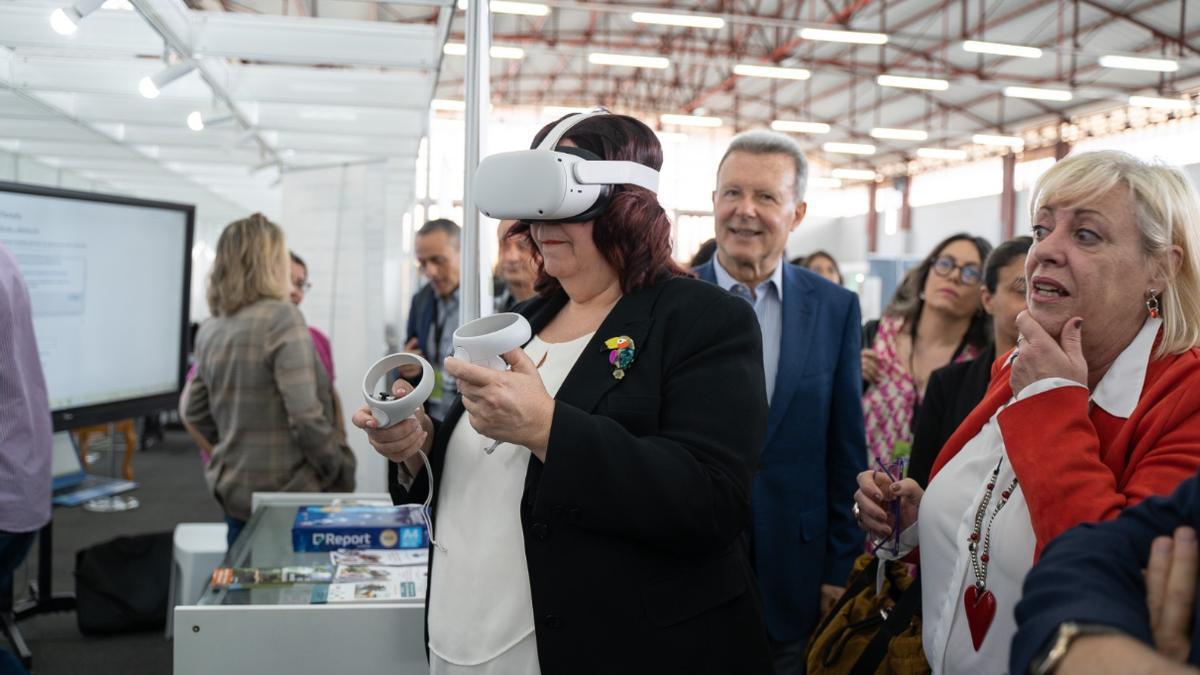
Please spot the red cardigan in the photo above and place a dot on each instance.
(1078, 465)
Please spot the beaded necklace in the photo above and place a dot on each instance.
(980, 603)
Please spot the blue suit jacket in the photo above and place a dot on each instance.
(1093, 574)
(803, 534)
(420, 318)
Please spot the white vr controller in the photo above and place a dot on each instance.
(386, 409)
(483, 340)
(480, 342)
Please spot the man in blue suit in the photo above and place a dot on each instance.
(803, 537)
(433, 315)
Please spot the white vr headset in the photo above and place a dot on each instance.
(551, 184)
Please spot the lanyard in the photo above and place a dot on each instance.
(439, 327)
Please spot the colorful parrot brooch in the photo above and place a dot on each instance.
(620, 355)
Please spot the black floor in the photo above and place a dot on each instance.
(171, 490)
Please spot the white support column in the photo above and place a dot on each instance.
(478, 98)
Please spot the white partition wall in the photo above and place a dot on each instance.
(334, 219)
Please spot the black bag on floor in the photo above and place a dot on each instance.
(121, 585)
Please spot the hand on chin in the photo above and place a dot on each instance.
(1051, 320)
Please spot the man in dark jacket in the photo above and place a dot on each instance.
(433, 315)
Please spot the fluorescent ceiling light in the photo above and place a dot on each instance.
(448, 105)
(751, 70)
(712, 22)
(853, 174)
(1139, 63)
(850, 36)
(497, 51)
(151, 86)
(1160, 103)
(941, 153)
(506, 7)
(62, 22)
(899, 134)
(1038, 93)
(823, 182)
(1001, 49)
(992, 139)
(522, 8)
(849, 148)
(503, 52)
(65, 20)
(631, 60)
(689, 120)
(801, 127)
(927, 83)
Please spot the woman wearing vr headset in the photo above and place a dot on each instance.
(604, 535)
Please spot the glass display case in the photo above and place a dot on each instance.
(277, 629)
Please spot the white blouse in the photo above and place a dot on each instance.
(481, 609)
(947, 519)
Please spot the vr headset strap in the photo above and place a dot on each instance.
(551, 140)
(604, 172)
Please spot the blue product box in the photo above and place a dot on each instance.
(333, 527)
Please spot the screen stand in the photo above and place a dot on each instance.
(43, 599)
(113, 503)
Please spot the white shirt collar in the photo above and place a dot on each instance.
(725, 279)
(1121, 387)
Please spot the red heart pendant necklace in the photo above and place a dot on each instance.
(979, 602)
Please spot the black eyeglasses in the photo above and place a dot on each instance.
(969, 274)
(301, 285)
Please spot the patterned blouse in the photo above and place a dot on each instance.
(890, 404)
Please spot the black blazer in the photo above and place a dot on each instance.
(952, 393)
(633, 525)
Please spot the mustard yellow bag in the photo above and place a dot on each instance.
(865, 633)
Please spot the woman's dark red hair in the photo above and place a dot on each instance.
(633, 234)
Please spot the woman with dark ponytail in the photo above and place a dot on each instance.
(605, 534)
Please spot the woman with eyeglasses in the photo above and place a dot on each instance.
(300, 286)
(935, 318)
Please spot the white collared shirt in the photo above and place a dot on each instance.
(947, 519)
(767, 299)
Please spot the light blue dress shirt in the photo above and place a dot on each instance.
(767, 299)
